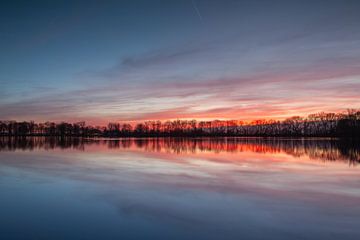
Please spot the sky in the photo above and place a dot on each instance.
(102, 61)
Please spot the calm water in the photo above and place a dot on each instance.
(234, 188)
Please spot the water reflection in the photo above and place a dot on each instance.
(208, 188)
(317, 149)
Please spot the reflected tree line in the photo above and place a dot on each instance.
(324, 149)
(315, 125)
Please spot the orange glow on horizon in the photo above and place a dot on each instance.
(248, 120)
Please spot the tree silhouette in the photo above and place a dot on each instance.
(315, 125)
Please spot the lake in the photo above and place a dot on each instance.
(201, 188)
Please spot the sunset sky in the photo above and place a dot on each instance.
(103, 61)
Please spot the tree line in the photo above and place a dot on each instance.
(315, 125)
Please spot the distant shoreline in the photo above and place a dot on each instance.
(315, 125)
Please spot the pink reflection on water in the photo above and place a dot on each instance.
(286, 168)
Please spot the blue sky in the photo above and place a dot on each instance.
(136, 60)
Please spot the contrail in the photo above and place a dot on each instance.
(197, 10)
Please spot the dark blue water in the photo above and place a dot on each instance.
(179, 189)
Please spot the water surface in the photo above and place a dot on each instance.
(219, 188)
